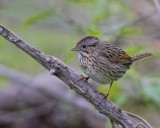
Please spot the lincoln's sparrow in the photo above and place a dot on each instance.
(102, 61)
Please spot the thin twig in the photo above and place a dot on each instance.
(139, 118)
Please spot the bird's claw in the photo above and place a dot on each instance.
(83, 78)
(104, 97)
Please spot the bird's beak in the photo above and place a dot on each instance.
(74, 49)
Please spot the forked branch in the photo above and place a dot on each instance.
(67, 75)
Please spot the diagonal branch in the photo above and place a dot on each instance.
(57, 92)
(67, 75)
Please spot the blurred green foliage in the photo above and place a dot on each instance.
(150, 90)
(56, 26)
(37, 17)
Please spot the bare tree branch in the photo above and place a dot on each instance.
(67, 75)
(57, 92)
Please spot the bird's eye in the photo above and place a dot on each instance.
(84, 46)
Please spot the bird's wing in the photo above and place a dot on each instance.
(113, 54)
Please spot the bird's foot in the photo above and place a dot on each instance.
(105, 96)
(83, 78)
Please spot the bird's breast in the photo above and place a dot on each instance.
(101, 71)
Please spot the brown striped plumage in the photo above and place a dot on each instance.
(102, 61)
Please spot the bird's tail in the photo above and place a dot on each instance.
(141, 56)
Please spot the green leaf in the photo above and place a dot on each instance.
(130, 32)
(37, 17)
(100, 16)
(121, 99)
(133, 50)
(3, 81)
(94, 32)
(133, 74)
